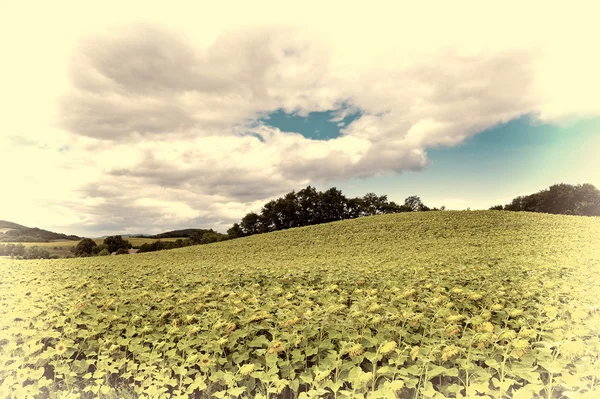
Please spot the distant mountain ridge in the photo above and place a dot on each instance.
(182, 233)
(13, 232)
(10, 225)
(128, 235)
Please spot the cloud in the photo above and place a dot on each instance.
(164, 118)
(147, 81)
(159, 121)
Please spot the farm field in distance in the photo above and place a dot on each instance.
(447, 304)
(63, 248)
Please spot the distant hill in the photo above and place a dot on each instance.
(129, 235)
(13, 232)
(5, 226)
(182, 233)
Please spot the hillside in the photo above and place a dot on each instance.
(13, 232)
(417, 304)
(183, 233)
(6, 226)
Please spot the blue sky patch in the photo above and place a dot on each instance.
(519, 157)
(316, 126)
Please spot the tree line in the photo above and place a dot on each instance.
(196, 237)
(295, 209)
(120, 246)
(28, 234)
(309, 207)
(112, 244)
(564, 199)
(19, 251)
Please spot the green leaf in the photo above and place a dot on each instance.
(386, 371)
(105, 390)
(236, 391)
(440, 370)
(493, 364)
(37, 373)
(259, 342)
(529, 391)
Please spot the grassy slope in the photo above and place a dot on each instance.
(519, 260)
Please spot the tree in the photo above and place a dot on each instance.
(85, 246)
(308, 200)
(496, 208)
(414, 203)
(36, 253)
(566, 199)
(373, 204)
(99, 248)
(333, 205)
(354, 208)
(235, 231)
(309, 206)
(588, 201)
(209, 237)
(114, 243)
(122, 251)
(251, 224)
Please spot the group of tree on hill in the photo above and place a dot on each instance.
(565, 199)
(113, 244)
(27, 234)
(303, 208)
(309, 207)
(118, 245)
(19, 251)
(194, 237)
(295, 209)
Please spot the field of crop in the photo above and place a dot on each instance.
(63, 248)
(424, 305)
(135, 241)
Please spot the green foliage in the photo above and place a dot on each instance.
(85, 246)
(309, 207)
(420, 305)
(414, 203)
(566, 199)
(235, 231)
(183, 233)
(17, 233)
(103, 252)
(35, 253)
(12, 249)
(114, 243)
(207, 237)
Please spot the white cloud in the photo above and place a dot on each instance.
(122, 119)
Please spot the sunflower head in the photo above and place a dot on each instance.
(246, 369)
(388, 347)
(231, 328)
(277, 347)
(61, 348)
(205, 362)
(356, 350)
(449, 352)
(22, 375)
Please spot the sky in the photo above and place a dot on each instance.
(142, 117)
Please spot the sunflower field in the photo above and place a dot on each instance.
(471, 304)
